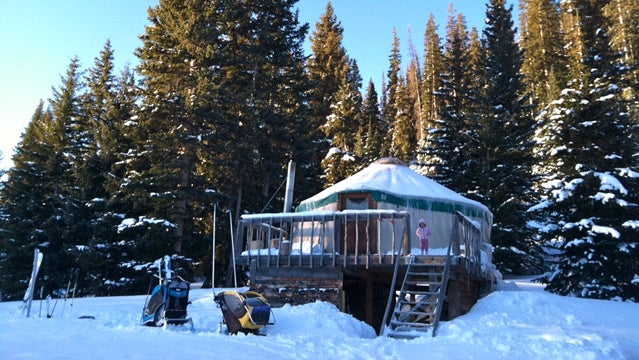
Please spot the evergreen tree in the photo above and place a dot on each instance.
(27, 204)
(164, 189)
(341, 125)
(327, 69)
(586, 148)
(44, 194)
(70, 139)
(544, 65)
(507, 161)
(476, 108)
(222, 98)
(414, 89)
(404, 139)
(624, 36)
(446, 151)
(400, 141)
(279, 88)
(430, 102)
(573, 44)
(624, 33)
(372, 129)
(106, 107)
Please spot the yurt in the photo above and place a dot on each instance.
(389, 184)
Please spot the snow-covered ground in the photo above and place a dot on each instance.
(519, 321)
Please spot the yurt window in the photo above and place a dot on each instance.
(357, 202)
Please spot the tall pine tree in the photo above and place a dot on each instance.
(397, 111)
(27, 205)
(223, 97)
(544, 64)
(328, 69)
(587, 148)
(446, 151)
(430, 102)
(508, 132)
(343, 122)
(372, 129)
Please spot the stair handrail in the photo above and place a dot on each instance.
(444, 286)
(391, 293)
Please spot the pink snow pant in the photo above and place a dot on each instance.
(424, 245)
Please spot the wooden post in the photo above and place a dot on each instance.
(290, 184)
(454, 300)
(407, 235)
(368, 305)
(454, 236)
(253, 270)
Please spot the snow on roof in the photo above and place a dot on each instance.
(394, 177)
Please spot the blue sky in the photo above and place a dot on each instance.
(39, 38)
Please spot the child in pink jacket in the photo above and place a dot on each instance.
(423, 232)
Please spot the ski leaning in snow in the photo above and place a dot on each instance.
(28, 296)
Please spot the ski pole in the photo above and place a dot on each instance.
(67, 292)
(75, 286)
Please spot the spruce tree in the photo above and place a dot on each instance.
(44, 196)
(507, 160)
(164, 187)
(476, 108)
(70, 139)
(404, 136)
(544, 64)
(446, 151)
(106, 108)
(624, 33)
(430, 102)
(586, 148)
(52, 165)
(372, 128)
(341, 126)
(279, 87)
(623, 17)
(327, 69)
(27, 205)
(397, 111)
(414, 80)
(223, 97)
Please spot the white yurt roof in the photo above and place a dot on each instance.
(392, 177)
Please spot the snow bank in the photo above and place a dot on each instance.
(519, 321)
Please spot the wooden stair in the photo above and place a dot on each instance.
(419, 303)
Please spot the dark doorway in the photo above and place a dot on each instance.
(360, 234)
(365, 298)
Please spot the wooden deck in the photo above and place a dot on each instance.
(354, 260)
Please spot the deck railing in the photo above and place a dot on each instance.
(351, 237)
(324, 238)
(467, 240)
